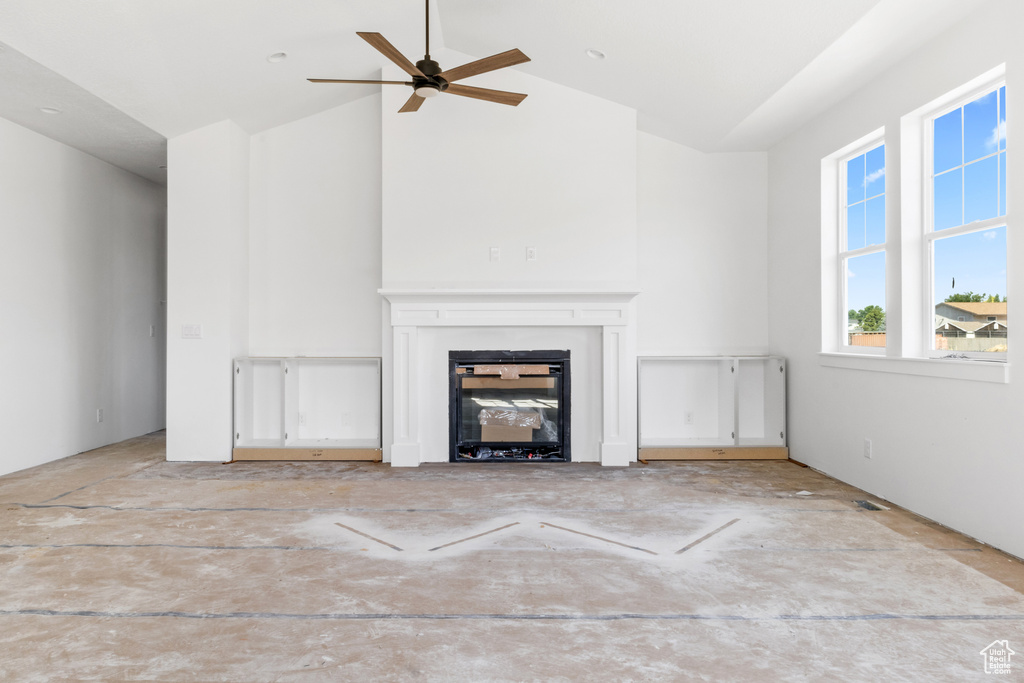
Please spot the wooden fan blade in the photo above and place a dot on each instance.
(391, 52)
(412, 104)
(482, 66)
(338, 80)
(500, 96)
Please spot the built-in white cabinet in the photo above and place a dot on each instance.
(712, 401)
(307, 403)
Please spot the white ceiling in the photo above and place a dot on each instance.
(711, 74)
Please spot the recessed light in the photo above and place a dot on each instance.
(49, 110)
(595, 54)
(277, 57)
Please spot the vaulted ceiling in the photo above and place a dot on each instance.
(715, 75)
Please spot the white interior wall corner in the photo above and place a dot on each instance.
(703, 238)
(80, 274)
(207, 285)
(316, 234)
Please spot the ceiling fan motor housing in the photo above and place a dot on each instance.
(432, 84)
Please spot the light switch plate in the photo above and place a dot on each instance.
(191, 331)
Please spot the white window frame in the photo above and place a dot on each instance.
(834, 313)
(910, 311)
(954, 101)
(843, 257)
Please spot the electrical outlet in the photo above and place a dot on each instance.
(688, 417)
(302, 419)
(495, 253)
(99, 415)
(531, 253)
(191, 331)
(867, 448)
(152, 330)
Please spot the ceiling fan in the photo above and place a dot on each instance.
(428, 80)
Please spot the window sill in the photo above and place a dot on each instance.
(976, 370)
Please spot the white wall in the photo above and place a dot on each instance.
(558, 173)
(208, 285)
(947, 449)
(315, 235)
(331, 194)
(81, 282)
(703, 236)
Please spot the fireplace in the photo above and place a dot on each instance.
(422, 326)
(509, 406)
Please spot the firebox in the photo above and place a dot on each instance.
(508, 406)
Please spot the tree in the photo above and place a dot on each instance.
(994, 299)
(969, 297)
(872, 319)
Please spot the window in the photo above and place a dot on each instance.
(861, 257)
(932, 257)
(965, 224)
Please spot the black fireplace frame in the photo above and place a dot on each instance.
(517, 451)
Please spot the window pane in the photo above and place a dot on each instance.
(855, 180)
(981, 127)
(1002, 184)
(874, 182)
(981, 190)
(970, 272)
(875, 230)
(1002, 118)
(865, 299)
(946, 147)
(948, 198)
(855, 227)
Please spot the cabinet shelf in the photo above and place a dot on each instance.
(712, 402)
(318, 405)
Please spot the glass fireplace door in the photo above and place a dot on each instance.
(509, 408)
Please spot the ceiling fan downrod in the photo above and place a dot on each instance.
(431, 86)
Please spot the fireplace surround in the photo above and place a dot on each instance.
(421, 326)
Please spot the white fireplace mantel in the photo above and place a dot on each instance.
(415, 312)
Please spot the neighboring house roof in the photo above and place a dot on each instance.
(969, 326)
(979, 308)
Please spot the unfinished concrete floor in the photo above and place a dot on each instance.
(118, 566)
